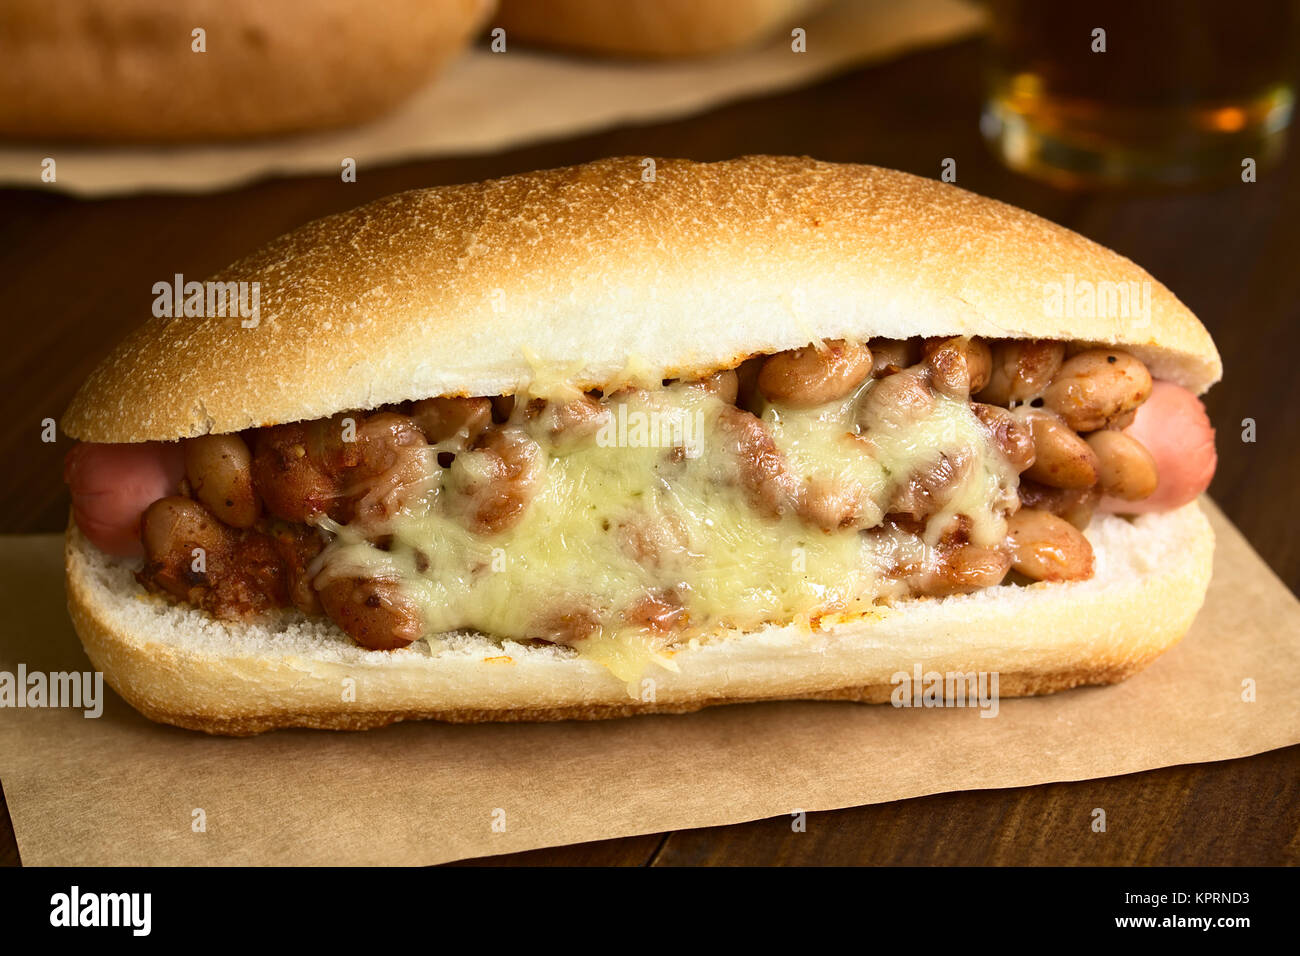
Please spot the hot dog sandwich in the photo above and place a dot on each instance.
(586, 442)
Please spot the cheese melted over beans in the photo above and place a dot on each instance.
(803, 485)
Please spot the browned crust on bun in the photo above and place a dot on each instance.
(648, 28)
(1010, 685)
(585, 272)
(175, 664)
(124, 70)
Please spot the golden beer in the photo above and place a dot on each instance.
(1140, 91)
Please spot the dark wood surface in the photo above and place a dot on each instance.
(75, 275)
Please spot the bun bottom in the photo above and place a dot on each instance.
(177, 665)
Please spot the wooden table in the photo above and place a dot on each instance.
(76, 275)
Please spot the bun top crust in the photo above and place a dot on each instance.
(614, 270)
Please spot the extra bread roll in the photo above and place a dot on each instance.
(649, 28)
(580, 273)
(124, 70)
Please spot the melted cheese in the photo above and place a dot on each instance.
(585, 544)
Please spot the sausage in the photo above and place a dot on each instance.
(1173, 426)
(112, 485)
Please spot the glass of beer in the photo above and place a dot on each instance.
(1141, 92)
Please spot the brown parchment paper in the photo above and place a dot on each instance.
(120, 790)
(492, 101)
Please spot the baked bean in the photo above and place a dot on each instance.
(927, 490)
(305, 469)
(219, 471)
(654, 541)
(1061, 458)
(807, 377)
(176, 523)
(387, 465)
(1012, 437)
(896, 402)
(1021, 370)
(958, 366)
(298, 546)
(724, 384)
(231, 573)
(893, 355)
(294, 484)
(659, 612)
(1047, 548)
(760, 469)
(979, 359)
(492, 485)
(1125, 468)
(575, 622)
(569, 422)
(1123, 420)
(459, 421)
(374, 612)
(1075, 505)
(832, 504)
(1097, 386)
(966, 568)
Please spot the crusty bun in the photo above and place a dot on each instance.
(672, 266)
(176, 664)
(648, 28)
(124, 70)
(589, 275)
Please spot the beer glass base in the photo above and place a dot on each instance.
(1050, 151)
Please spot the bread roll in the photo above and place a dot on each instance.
(125, 70)
(649, 28)
(675, 268)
